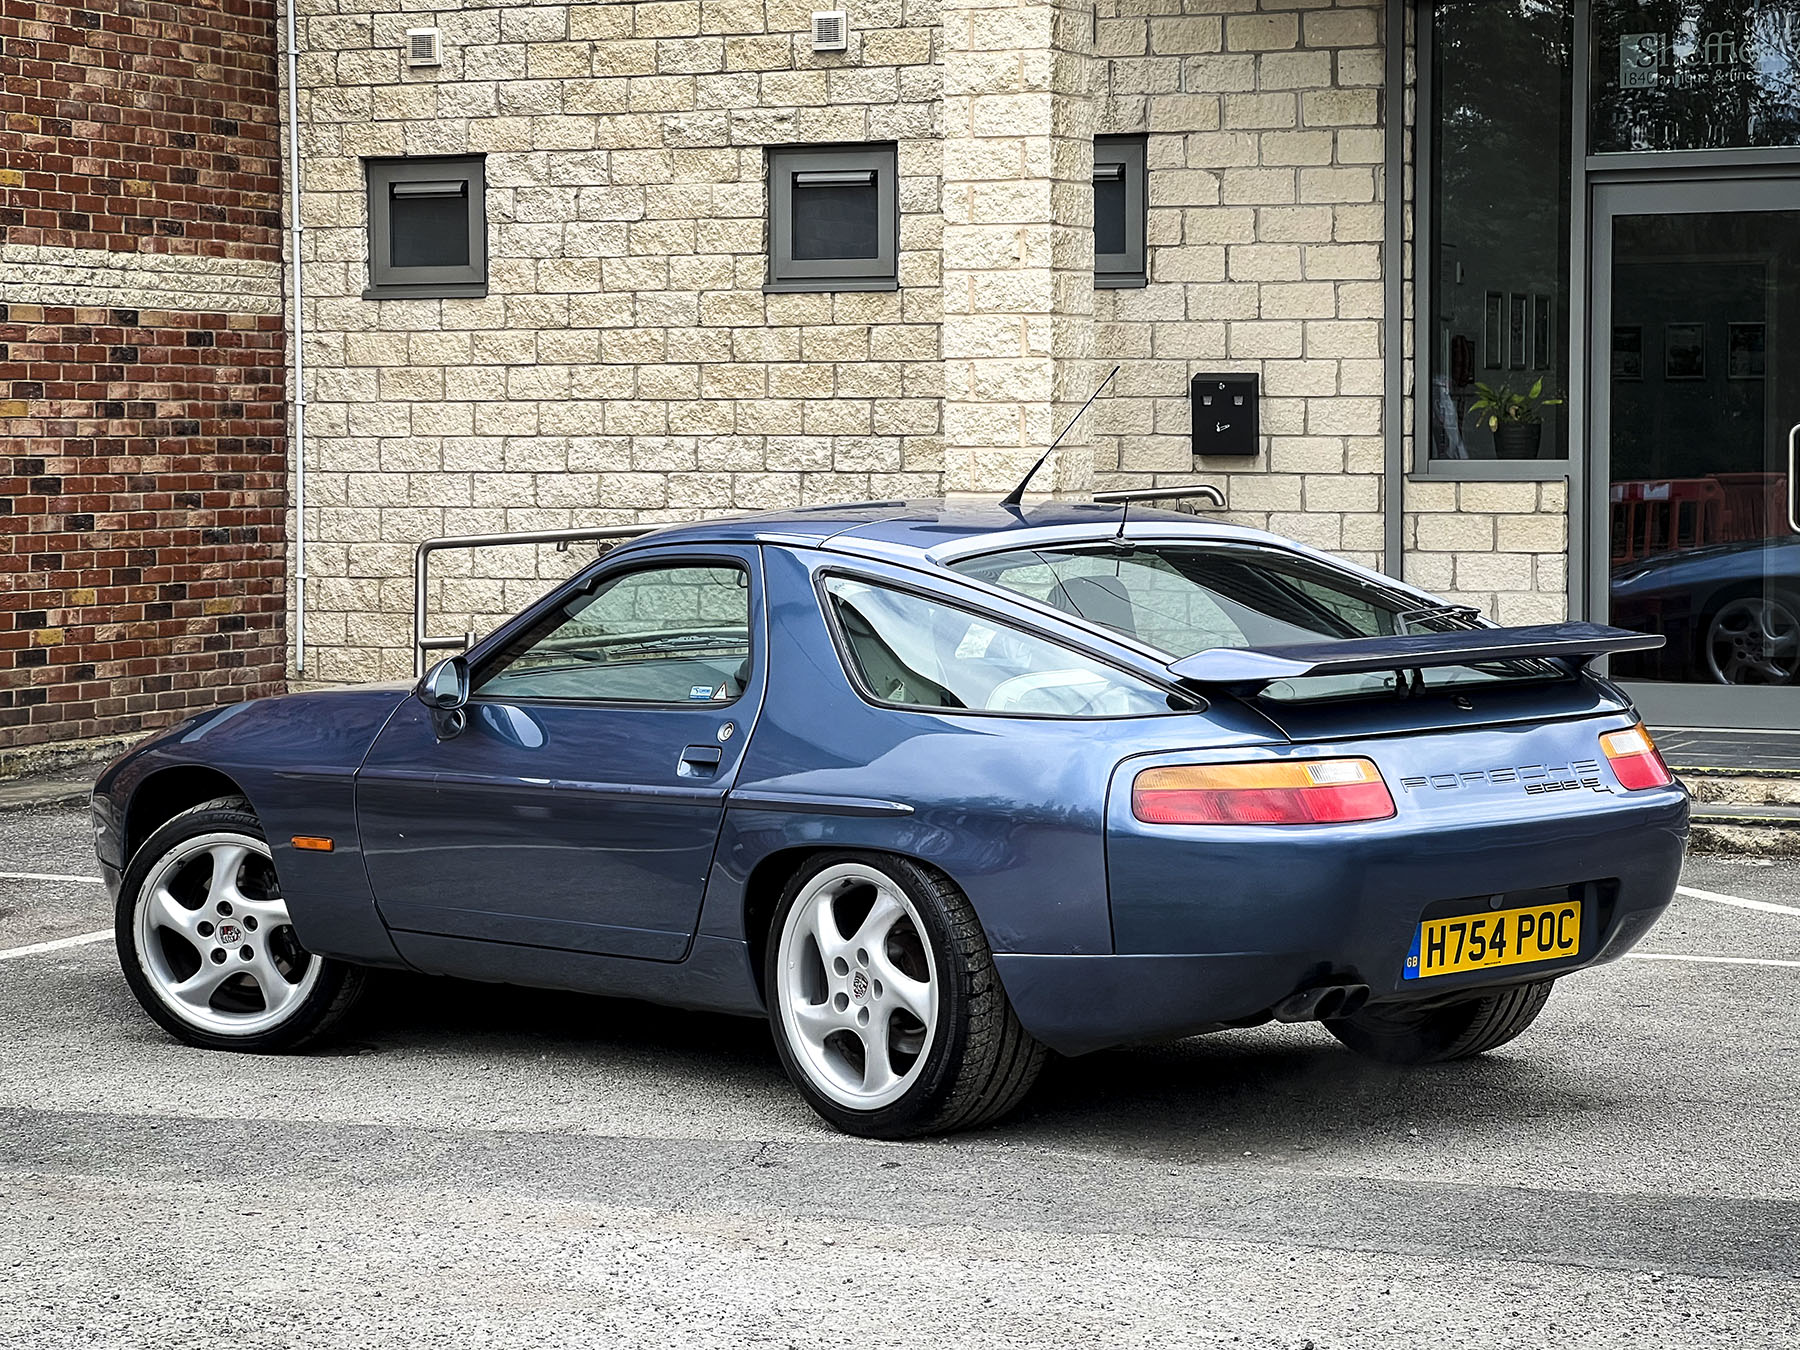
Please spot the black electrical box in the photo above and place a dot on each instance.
(1224, 414)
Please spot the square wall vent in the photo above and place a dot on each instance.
(424, 47)
(831, 30)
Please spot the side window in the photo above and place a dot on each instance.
(923, 653)
(1119, 211)
(834, 219)
(427, 227)
(678, 634)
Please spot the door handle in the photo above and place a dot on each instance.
(697, 760)
(1793, 515)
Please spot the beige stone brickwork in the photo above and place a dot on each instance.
(43, 274)
(1018, 241)
(626, 364)
(1264, 254)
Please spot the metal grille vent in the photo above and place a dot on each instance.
(830, 30)
(424, 47)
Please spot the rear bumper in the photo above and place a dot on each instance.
(1222, 930)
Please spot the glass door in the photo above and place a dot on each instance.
(1695, 398)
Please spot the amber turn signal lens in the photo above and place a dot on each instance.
(1635, 760)
(316, 843)
(1273, 792)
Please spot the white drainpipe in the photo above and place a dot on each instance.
(295, 231)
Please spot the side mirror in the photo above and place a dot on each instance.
(446, 685)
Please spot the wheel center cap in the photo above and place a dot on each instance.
(230, 934)
(859, 985)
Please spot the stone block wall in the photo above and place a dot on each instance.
(626, 364)
(141, 374)
(1264, 153)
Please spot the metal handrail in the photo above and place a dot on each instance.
(1205, 491)
(422, 643)
(421, 566)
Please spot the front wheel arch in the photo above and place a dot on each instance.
(168, 792)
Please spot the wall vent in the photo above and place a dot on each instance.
(424, 47)
(831, 30)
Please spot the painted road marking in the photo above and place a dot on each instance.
(64, 876)
(1768, 907)
(79, 940)
(1708, 960)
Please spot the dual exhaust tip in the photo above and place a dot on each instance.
(1321, 1003)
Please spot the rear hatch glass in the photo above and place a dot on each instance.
(1192, 597)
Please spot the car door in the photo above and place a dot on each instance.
(579, 805)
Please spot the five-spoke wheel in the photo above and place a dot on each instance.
(1754, 639)
(207, 944)
(887, 1011)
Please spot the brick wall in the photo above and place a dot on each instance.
(145, 518)
(143, 483)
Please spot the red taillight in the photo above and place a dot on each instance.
(1635, 760)
(1275, 792)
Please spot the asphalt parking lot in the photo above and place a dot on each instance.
(481, 1166)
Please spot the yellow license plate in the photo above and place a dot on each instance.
(1505, 937)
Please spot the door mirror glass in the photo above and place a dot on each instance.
(446, 685)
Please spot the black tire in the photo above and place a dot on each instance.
(980, 1062)
(1398, 1034)
(333, 993)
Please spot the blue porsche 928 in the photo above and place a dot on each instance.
(935, 789)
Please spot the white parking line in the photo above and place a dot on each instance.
(38, 948)
(62, 876)
(1767, 906)
(1711, 960)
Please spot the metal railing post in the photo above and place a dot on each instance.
(422, 643)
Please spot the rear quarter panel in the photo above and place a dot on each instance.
(1011, 808)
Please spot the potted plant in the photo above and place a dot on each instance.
(1515, 418)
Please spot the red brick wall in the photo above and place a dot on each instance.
(143, 577)
(141, 127)
(142, 452)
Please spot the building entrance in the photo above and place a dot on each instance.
(1694, 402)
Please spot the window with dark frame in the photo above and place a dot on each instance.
(834, 218)
(1119, 192)
(427, 227)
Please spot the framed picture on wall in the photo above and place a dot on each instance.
(1627, 352)
(1744, 351)
(1493, 332)
(1543, 333)
(1518, 333)
(1684, 351)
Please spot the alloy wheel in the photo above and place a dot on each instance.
(1754, 640)
(858, 988)
(214, 938)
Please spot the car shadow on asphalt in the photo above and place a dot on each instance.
(1269, 1089)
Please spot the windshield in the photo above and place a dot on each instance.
(1187, 598)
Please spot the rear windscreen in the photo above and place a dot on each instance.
(1187, 598)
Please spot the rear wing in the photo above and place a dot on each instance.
(1250, 668)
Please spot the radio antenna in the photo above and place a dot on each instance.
(1017, 495)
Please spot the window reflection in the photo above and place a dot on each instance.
(1695, 74)
(1499, 194)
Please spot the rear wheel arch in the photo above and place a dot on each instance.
(769, 878)
(166, 793)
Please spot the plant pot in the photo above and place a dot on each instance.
(1518, 440)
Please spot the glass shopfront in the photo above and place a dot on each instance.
(1656, 143)
(1500, 81)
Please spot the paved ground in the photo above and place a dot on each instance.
(480, 1166)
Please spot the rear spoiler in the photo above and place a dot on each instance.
(1251, 668)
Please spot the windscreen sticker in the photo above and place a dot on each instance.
(701, 693)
